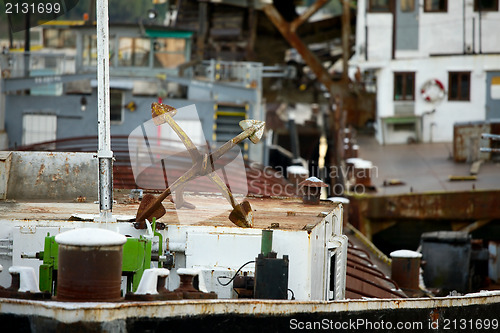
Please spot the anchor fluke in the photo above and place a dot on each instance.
(242, 215)
(146, 202)
(256, 125)
(159, 112)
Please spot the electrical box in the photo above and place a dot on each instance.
(271, 277)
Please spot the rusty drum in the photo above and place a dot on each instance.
(90, 265)
(405, 269)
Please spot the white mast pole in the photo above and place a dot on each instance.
(104, 154)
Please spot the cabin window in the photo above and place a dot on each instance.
(435, 5)
(495, 87)
(379, 6)
(404, 86)
(115, 106)
(169, 52)
(459, 83)
(404, 127)
(89, 53)
(407, 6)
(39, 127)
(486, 5)
(56, 38)
(133, 52)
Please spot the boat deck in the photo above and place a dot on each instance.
(211, 210)
(423, 167)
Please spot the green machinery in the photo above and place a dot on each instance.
(136, 259)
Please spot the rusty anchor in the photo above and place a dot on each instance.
(203, 165)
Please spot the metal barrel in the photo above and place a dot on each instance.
(405, 269)
(89, 265)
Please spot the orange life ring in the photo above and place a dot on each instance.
(432, 91)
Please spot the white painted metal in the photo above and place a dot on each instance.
(340, 245)
(4, 142)
(90, 237)
(27, 279)
(149, 281)
(439, 33)
(109, 312)
(214, 251)
(105, 154)
(405, 254)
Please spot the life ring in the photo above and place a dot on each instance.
(432, 91)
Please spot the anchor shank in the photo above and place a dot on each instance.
(190, 146)
(227, 146)
(191, 173)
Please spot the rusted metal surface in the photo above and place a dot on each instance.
(51, 176)
(147, 200)
(89, 274)
(266, 210)
(362, 176)
(260, 180)
(373, 214)
(13, 290)
(463, 206)
(311, 190)
(364, 278)
(483, 305)
(203, 165)
(406, 273)
(188, 291)
(467, 141)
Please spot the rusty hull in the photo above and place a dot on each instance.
(253, 315)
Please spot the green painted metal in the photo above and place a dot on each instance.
(400, 120)
(160, 242)
(136, 259)
(49, 256)
(266, 245)
(168, 34)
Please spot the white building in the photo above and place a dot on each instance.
(432, 62)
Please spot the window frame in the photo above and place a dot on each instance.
(476, 7)
(408, 7)
(380, 9)
(116, 106)
(460, 97)
(443, 10)
(403, 87)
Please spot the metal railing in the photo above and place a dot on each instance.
(243, 73)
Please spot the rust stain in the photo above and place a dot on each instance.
(40, 173)
(434, 317)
